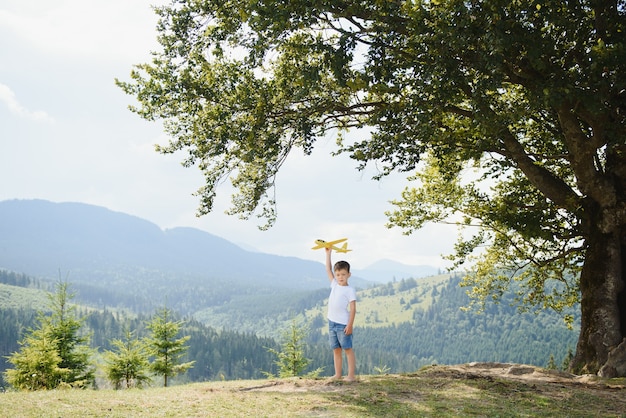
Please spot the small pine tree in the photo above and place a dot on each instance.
(64, 325)
(36, 364)
(128, 365)
(165, 349)
(53, 353)
(291, 360)
(551, 363)
(568, 359)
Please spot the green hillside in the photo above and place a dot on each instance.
(415, 322)
(400, 327)
(391, 303)
(13, 297)
(219, 354)
(406, 324)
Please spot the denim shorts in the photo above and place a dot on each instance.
(337, 337)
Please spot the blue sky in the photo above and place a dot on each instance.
(66, 135)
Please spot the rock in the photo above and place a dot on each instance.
(615, 365)
(520, 370)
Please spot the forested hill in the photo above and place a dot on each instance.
(439, 331)
(400, 327)
(119, 263)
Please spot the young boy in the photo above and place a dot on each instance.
(340, 318)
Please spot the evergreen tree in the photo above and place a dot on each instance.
(567, 360)
(36, 364)
(54, 353)
(64, 325)
(128, 364)
(165, 348)
(291, 359)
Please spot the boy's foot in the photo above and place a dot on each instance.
(335, 378)
(350, 379)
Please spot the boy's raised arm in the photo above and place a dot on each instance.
(329, 265)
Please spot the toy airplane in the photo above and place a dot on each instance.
(320, 243)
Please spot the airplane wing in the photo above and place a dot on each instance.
(320, 243)
(342, 249)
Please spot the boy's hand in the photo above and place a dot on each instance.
(348, 329)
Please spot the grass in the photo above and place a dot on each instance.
(14, 297)
(432, 392)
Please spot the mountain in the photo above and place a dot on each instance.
(388, 270)
(113, 256)
(40, 238)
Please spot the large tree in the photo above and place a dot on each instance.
(532, 94)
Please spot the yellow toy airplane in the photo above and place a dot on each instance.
(320, 243)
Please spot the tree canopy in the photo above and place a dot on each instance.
(530, 94)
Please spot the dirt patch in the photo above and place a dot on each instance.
(484, 389)
(511, 371)
(300, 385)
(531, 375)
(547, 382)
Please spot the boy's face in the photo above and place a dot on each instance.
(342, 276)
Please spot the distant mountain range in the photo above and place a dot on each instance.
(43, 238)
(388, 270)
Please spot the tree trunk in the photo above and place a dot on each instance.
(601, 345)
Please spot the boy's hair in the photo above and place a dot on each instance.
(342, 265)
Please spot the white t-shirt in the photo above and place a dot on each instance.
(338, 301)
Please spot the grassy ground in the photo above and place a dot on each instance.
(432, 392)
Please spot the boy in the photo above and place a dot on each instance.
(340, 319)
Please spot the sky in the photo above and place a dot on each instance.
(66, 135)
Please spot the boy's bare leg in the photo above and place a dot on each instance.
(337, 359)
(351, 365)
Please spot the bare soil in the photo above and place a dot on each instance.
(541, 380)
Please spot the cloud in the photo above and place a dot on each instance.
(7, 97)
(98, 29)
(64, 54)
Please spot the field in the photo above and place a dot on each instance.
(470, 390)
